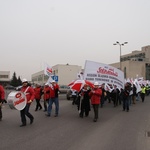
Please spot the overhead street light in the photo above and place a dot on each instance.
(120, 44)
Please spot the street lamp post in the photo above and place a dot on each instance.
(120, 44)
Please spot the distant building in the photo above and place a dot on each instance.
(4, 77)
(39, 77)
(63, 73)
(136, 64)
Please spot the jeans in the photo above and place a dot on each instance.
(137, 97)
(126, 103)
(130, 99)
(56, 102)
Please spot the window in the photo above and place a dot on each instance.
(4, 76)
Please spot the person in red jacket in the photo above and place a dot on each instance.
(29, 92)
(38, 94)
(95, 95)
(46, 95)
(2, 97)
(54, 89)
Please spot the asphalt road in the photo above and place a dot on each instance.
(115, 129)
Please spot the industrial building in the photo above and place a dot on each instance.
(135, 64)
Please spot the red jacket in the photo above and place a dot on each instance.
(30, 95)
(2, 93)
(46, 92)
(95, 96)
(38, 92)
(54, 91)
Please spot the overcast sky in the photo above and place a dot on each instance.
(69, 31)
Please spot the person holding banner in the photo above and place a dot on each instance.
(84, 104)
(95, 95)
(54, 90)
(2, 98)
(103, 95)
(29, 92)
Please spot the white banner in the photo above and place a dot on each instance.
(48, 70)
(102, 73)
(138, 87)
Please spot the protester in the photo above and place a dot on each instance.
(54, 90)
(147, 89)
(125, 97)
(103, 94)
(29, 92)
(95, 95)
(2, 99)
(74, 96)
(46, 96)
(134, 93)
(115, 95)
(84, 104)
(143, 92)
(38, 94)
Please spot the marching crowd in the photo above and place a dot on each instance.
(96, 96)
(50, 96)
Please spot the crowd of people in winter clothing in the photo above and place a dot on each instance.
(49, 94)
(98, 96)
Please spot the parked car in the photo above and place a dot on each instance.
(63, 89)
(18, 88)
(69, 94)
(9, 87)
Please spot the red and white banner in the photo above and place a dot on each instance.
(48, 70)
(103, 73)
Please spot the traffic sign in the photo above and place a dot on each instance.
(55, 78)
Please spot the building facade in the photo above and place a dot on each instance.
(4, 77)
(64, 73)
(136, 64)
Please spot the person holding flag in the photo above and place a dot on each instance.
(54, 90)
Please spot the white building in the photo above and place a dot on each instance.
(65, 73)
(4, 77)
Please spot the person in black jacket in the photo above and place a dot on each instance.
(103, 94)
(134, 94)
(84, 104)
(125, 97)
(115, 95)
